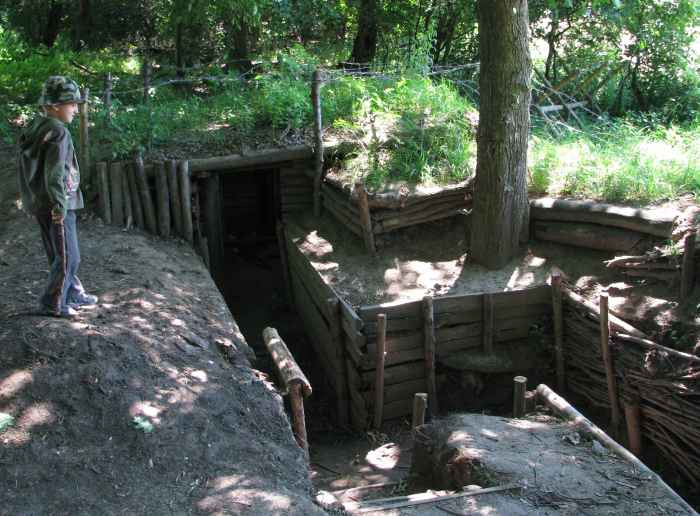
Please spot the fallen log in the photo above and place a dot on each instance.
(657, 222)
(592, 236)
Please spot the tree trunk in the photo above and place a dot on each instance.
(54, 24)
(365, 46)
(237, 33)
(501, 209)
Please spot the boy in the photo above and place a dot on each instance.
(49, 180)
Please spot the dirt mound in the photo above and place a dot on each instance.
(133, 408)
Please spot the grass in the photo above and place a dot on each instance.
(412, 129)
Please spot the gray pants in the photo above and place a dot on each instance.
(61, 246)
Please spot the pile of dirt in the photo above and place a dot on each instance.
(144, 404)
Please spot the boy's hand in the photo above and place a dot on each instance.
(56, 215)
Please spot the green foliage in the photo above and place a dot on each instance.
(625, 162)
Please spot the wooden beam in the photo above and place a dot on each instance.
(105, 205)
(429, 350)
(558, 316)
(137, 209)
(488, 322)
(608, 363)
(163, 197)
(379, 379)
(235, 162)
(183, 175)
(117, 198)
(145, 195)
(318, 140)
(519, 389)
(175, 197)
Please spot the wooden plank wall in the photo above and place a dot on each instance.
(459, 327)
(295, 187)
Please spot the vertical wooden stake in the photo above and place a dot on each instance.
(519, 389)
(488, 323)
(607, 360)
(214, 227)
(318, 140)
(145, 195)
(175, 197)
(163, 198)
(365, 218)
(429, 347)
(335, 326)
(284, 258)
(103, 185)
(126, 191)
(183, 172)
(85, 136)
(135, 197)
(558, 331)
(117, 200)
(634, 432)
(379, 379)
(296, 401)
(688, 266)
(420, 402)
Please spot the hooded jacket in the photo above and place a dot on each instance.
(49, 175)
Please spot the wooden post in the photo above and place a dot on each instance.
(284, 259)
(488, 317)
(429, 348)
(558, 317)
(183, 173)
(103, 186)
(163, 197)
(519, 389)
(688, 266)
(607, 361)
(117, 200)
(85, 136)
(632, 418)
(128, 213)
(175, 197)
(318, 140)
(107, 96)
(365, 218)
(294, 381)
(379, 379)
(342, 397)
(135, 197)
(420, 403)
(213, 217)
(581, 423)
(145, 195)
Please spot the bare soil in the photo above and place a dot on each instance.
(432, 259)
(146, 403)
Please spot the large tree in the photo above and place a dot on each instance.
(501, 209)
(365, 45)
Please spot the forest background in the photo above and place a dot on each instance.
(400, 80)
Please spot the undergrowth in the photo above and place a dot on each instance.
(413, 129)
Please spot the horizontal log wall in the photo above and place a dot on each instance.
(295, 187)
(665, 382)
(459, 326)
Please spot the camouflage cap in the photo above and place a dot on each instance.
(59, 90)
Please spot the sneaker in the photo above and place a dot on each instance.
(83, 299)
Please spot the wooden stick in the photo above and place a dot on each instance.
(126, 191)
(607, 361)
(85, 135)
(379, 380)
(558, 317)
(298, 417)
(634, 433)
(183, 171)
(519, 389)
(163, 197)
(688, 267)
(365, 219)
(103, 188)
(383, 504)
(175, 197)
(488, 318)
(117, 200)
(336, 333)
(318, 140)
(144, 195)
(617, 324)
(135, 198)
(565, 410)
(653, 345)
(420, 403)
(429, 348)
